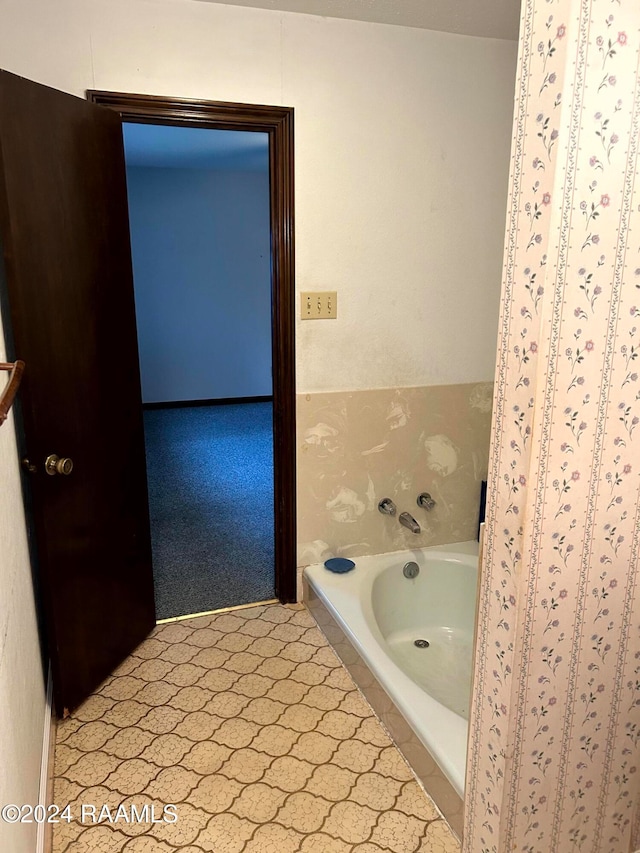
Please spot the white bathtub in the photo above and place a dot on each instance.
(382, 613)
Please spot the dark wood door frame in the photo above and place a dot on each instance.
(277, 122)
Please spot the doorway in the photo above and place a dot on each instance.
(72, 321)
(276, 125)
(200, 242)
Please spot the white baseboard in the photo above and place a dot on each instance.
(43, 838)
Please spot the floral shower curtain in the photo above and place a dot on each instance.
(555, 724)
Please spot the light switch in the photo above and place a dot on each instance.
(319, 305)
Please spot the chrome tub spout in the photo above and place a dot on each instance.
(409, 522)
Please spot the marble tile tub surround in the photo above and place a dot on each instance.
(248, 722)
(356, 447)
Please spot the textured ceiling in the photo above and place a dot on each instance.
(486, 18)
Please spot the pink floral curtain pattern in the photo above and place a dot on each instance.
(556, 713)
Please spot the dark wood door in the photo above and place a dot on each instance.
(67, 267)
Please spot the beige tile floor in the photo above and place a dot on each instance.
(250, 725)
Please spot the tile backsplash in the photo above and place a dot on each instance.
(356, 447)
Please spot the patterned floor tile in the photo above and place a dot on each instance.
(249, 725)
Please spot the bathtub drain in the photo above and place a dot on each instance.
(421, 644)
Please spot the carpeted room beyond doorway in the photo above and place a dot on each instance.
(210, 473)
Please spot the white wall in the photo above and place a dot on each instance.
(201, 259)
(22, 694)
(402, 148)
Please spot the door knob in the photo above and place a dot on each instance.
(58, 465)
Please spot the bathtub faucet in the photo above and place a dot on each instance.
(409, 522)
(426, 501)
(387, 506)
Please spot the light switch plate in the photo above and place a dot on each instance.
(319, 305)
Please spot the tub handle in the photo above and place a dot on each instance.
(426, 501)
(387, 506)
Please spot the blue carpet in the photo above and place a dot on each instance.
(210, 472)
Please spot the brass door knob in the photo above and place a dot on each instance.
(58, 465)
